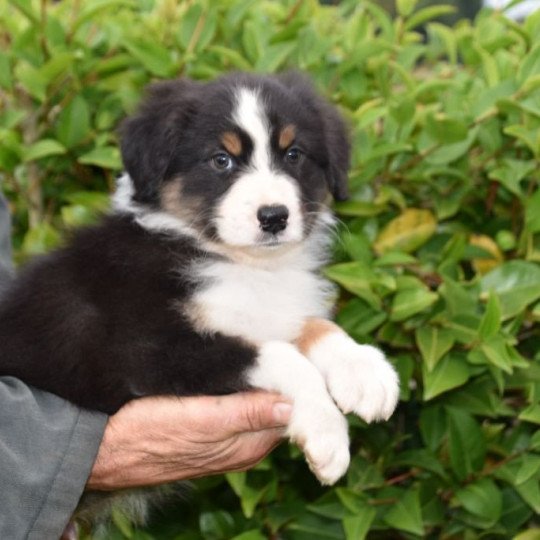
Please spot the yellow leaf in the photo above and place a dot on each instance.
(406, 233)
(485, 264)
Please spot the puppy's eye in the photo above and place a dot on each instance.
(293, 155)
(222, 162)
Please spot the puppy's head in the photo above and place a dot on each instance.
(246, 161)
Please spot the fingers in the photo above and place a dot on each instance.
(257, 411)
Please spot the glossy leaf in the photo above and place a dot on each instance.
(517, 284)
(482, 498)
(43, 149)
(433, 343)
(447, 374)
(407, 232)
(406, 514)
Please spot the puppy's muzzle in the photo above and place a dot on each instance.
(273, 218)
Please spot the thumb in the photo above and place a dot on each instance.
(256, 411)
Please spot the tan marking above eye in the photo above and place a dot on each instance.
(232, 143)
(286, 136)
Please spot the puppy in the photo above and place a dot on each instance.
(204, 278)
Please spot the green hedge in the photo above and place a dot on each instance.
(438, 253)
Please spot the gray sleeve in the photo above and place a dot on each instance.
(47, 449)
(6, 267)
(47, 446)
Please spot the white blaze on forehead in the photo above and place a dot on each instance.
(259, 184)
(250, 116)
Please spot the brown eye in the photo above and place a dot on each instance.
(293, 155)
(222, 162)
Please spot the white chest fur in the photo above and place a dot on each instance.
(258, 304)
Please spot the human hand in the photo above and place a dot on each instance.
(155, 440)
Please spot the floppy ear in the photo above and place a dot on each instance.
(335, 133)
(149, 138)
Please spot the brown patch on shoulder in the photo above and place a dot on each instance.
(314, 330)
(286, 136)
(232, 143)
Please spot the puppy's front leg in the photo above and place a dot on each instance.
(316, 423)
(358, 377)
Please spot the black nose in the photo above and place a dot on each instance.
(273, 218)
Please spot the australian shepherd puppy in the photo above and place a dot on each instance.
(204, 278)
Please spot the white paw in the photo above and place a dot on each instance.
(316, 424)
(358, 377)
(321, 432)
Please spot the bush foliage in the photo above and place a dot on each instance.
(438, 252)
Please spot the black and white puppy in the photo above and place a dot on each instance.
(204, 278)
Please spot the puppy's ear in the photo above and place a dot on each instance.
(335, 133)
(149, 138)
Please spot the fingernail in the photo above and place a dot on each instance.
(282, 413)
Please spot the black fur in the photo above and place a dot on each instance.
(95, 322)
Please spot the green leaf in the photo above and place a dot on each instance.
(274, 57)
(433, 426)
(6, 79)
(449, 373)
(358, 317)
(530, 467)
(40, 239)
(433, 343)
(422, 459)
(59, 65)
(25, 6)
(529, 534)
(359, 208)
(153, 56)
(531, 414)
(532, 212)
(357, 527)
(254, 534)
(197, 28)
(446, 130)
(464, 327)
(405, 7)
(529, 137)
(449, 153)
(491, 320)
(42, 149)
(92, 8)
(427, 14)
(73, 125)
(122, 522)
(406, 514)
(458, 298)
(310, 526)
(517, 284)
(483, 499)
(496, 351)
(233, 57)
(217, 524)
(363, 475)
(357, 278)
(530, 493)
(31, 80)
(107, 157)
(410, 302)
(467, 446)
(511, 172)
